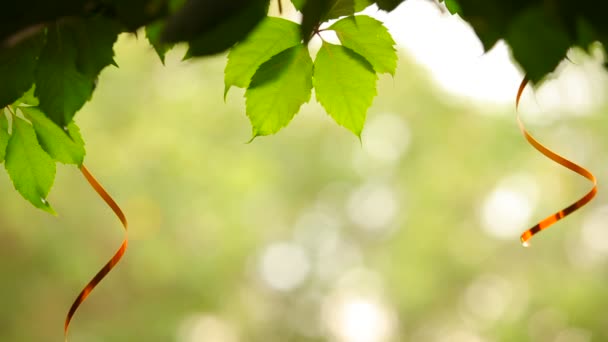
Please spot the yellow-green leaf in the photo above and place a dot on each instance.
(369, 38)
(4, 136)
(30, 168)
(278, 89)
(55, 140)
(272, 36)
(345, 85)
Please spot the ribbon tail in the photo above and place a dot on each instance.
(112, 262)
(553, 218)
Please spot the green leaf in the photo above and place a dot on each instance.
(388, 5)
(29, 167)
(345, 85)
(491, 19)
(175, 5)
(538, 42)
(316, 12)
(135, 13)
(17, 66)
(586, 34)
(153, 33)
(272, 36)
(452, 6)
(4, 136)
(198, 17)
(278, 89)
(298, 4)
(360, 5)
(94, 40)
(339, 8)
(28, 98)
(74, 133)
(369, 38)
(229, 31)
(54, 140)
(61, 88)
(313, 13)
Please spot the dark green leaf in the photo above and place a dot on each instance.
(339, 8)
(4, 136)
(20, 18)
(94, 40)
(230, 31)
(28, 98)
(133, 14)
(153, 33)
(55, 140)
(198, 18)
(298, 4)
(17, 66)
(278, 89)
(491, 19)
(61, 88)
(586, 34)
(345, 84)
(369, 38)
(316, 12)
(175, 5)
(388, 5)
(272, 36)
(537, 42)
(29, 167)
(312, 14)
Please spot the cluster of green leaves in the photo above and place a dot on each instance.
(275, 66)
(52, 52)
(31, 144)
(47, 78)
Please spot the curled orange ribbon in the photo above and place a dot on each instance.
(112, 262)
(551, 219)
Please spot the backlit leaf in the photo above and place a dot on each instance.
(4, 136)
(30, 168)
(345, 85)
(278, 89)
(54, 140)
(452, 6)
(369, 38)
(28, 98)
(272, 36)
(360, 5)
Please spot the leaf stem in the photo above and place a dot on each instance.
(11, 110)
(317, 31)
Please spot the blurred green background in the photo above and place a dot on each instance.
(309, 235)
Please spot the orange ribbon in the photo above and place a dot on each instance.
(551, 219)
(113, 261)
